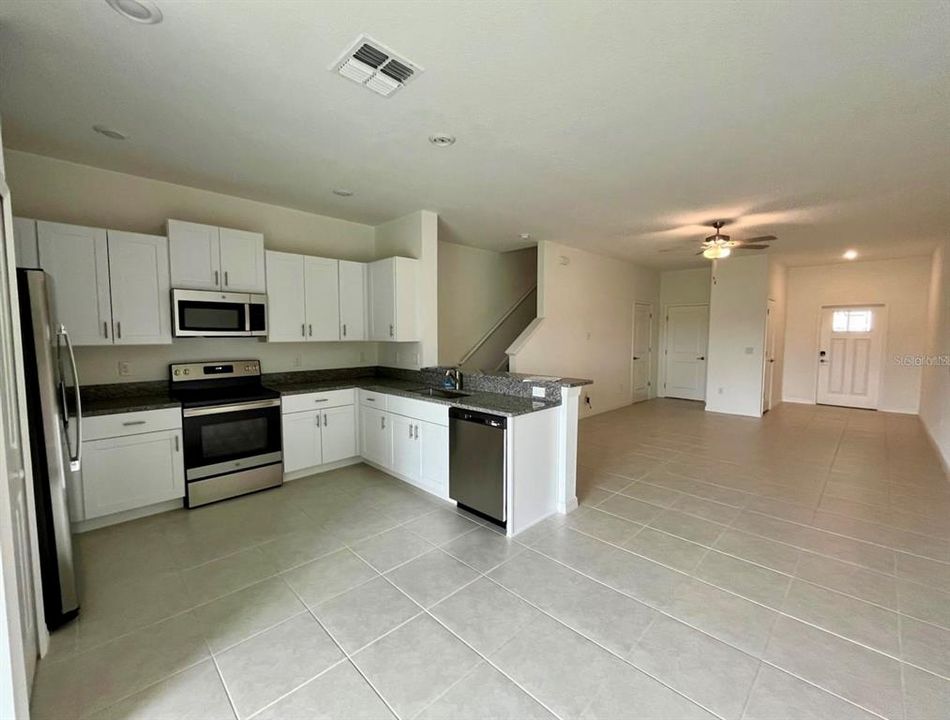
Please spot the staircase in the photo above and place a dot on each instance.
(489, 353)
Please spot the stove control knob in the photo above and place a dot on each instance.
(177, 372)
(186, 371)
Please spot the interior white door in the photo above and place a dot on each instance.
(352, 300)
(242, 261)
(322, 283)
(77, 258)
(140, 285)
(768, 370)
(286, 299)
(687, 330)
(18, 611)
(642, 360)
(849, 356)
(406, 452)
(195, 255)
(338, 433)
(301, 440)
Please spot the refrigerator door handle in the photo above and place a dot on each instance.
(75, 461)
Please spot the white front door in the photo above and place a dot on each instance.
(849, 356)
(687, 330)
(18, 630)
(768, 371)
(642, 360)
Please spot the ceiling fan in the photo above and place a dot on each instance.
(719, 245)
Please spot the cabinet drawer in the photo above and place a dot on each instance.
(419, 409)
(374, 399)
(316, 401)
(132, 423)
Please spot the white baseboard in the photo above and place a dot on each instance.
(121, 517)
(570, 506)
(318, 469)
(798, 401)
(944, 460)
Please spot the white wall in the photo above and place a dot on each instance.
(416, 236)
(901, 285)
(935, 377)
(586, 317)
(476, 288)
(678, 287)
(737, 311)
(778, 292)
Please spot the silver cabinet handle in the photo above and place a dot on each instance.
(417, 432)
(118, 326)
(390, 331)
(216, 281)
(344, 329)
(322, 400)
(410, 432)
(325, 423)
(310, 328)
(226, 283)
(369, 399)
(176, 443)
(382, 422)
(130, 423)
(318, 419)
(105, 328)
(303, 330)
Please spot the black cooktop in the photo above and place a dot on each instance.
(206, 384)
(204, 397)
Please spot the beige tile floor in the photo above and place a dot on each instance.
(793, 567)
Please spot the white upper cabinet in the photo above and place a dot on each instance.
(286, 299)
(322, 285)
(242, 261)
(140, 288)
(24, 238)
(352, 300)
(205, 257)
(392, 299)
(77, 258)
(195, 255)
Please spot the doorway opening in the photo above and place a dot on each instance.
(641, 364)
(850, 341)
(684, 354)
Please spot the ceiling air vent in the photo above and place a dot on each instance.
(375, 66)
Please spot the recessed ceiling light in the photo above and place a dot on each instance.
(343, 192)
(109, 132)
(850, 254)
(525, 236)
(140, 11)
(442, 140)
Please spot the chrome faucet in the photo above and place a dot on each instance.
(453, 379)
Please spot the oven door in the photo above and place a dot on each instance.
(230, 438)
(199, 313)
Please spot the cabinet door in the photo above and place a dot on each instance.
(382, 299)
(434, 465)
(77, 258)
(321, 279)
(405, 322)
(339, 433)
(242, 261)
(376, 436)
(24, 236)
(301, 440)
(131, 472)
(194, 255)
(406, 456)
(286, 317)
(138, 267)
(352, 300)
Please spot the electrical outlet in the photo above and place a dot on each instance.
(538, 392)
(125, 368)
(362, 356)
(720, 390)
(749, 351)
(298, 361)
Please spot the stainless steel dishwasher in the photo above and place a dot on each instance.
(477, 477)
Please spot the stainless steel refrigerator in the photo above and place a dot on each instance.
(55, 422)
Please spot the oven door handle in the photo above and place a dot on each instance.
(237, 407)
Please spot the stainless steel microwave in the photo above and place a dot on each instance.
(208, 313)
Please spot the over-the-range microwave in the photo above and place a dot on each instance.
(208, 313)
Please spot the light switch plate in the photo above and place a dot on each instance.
(538, 392)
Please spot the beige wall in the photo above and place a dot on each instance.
(935, 376)
(778, 292)
(901, 285)
(476, 288)
(585, 306)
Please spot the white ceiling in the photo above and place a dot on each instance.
(603, 125)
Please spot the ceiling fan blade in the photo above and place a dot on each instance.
(744, 246)
(760, 239)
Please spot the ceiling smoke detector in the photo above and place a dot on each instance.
(442, 140)
(109, 132)
(374, 66)
(140, 11)
(343, 192)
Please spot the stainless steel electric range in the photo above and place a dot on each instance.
(231, 429)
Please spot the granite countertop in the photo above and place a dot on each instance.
(122, 399)
(495, 403)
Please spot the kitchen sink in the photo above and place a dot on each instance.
(438, 392)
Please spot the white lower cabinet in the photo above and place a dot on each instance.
(434, 458)
(376, 436)
(405, 446)
(314, 437)
(131, 471)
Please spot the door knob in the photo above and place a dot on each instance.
(701, 357)
(635, 357)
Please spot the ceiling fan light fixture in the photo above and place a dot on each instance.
(140, 11)
(850, 254)
(716, 252)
